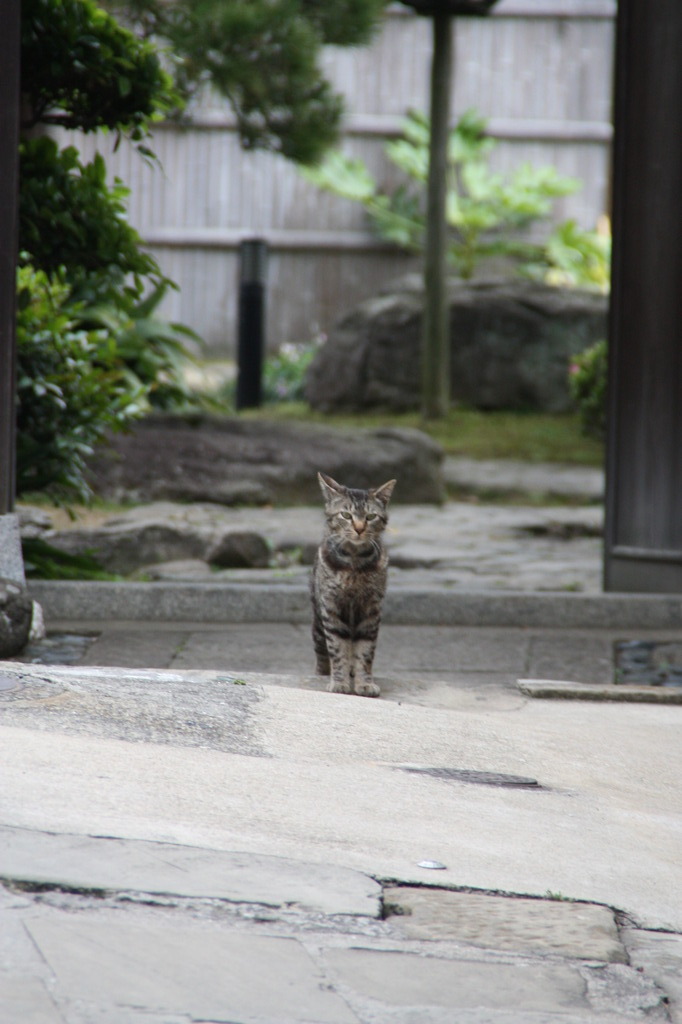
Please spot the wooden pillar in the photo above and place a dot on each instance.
(9, 139)
(643, 547)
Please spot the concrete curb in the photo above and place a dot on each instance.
(219, 602)
(563, 690)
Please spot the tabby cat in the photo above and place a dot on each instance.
(348, 584)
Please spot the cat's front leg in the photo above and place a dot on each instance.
(341, 657)
(365, 686)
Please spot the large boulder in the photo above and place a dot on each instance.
(511, 341)
(236, 461)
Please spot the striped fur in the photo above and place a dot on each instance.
(348, 584)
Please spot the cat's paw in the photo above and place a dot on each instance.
(367, 689)
(339, 686)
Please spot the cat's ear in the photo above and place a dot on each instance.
(383, 493)
(329, 487)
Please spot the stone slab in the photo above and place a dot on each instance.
(659, 955)
(415, 980)
(24, 999)
(133, 648)
(562, 655)
(566, 690)
(582, 930)
(87, 862)
(181, 968)
(284, 647)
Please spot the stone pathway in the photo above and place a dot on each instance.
(460, 545)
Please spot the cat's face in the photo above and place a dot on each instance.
(357, 516)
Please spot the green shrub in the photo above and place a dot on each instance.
(73, 223)
(152, 350)
(72, 387)
(587, 381)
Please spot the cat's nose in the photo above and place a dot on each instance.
(359, 526)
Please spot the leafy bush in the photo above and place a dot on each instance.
(487, 214)
(152, 350)
(72, 386)
(587, 381)
(72, 222)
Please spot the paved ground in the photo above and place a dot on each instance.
(192, 830)
(184, 845)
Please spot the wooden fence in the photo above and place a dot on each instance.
(539, 70)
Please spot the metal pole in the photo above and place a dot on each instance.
(9, 140)
(251, 334)
(435, 338)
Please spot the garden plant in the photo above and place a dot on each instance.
(488, 214)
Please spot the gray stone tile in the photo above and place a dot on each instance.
(581, 930)
(24, 999)
(134, 648)
(407, 979)
(450, 649)
(86, 862)
(179, 968)
(581, 658)
(249, 647)
(659, 955)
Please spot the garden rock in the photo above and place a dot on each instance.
(240, 550)
(238, 461)
(511, 342)
(16, 611)
(122, 548)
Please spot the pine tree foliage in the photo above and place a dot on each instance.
(264, 57)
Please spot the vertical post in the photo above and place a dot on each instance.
(435, 330)
(251, 336)
(643, 549)
(9, 141)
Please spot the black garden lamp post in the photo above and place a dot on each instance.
(435, 355)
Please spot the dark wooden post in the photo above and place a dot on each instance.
(643, 548)
(9, 140)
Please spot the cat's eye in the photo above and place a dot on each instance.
(346, 515)
(370, 516)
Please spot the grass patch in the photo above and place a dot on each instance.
(528, 436)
